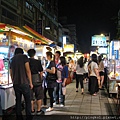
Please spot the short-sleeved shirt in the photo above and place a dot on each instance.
(51, 84)
(93, 65)
(35, 66)
(17, 65)
(65, 72)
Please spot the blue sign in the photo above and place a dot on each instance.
(116, 53)
(98, 40)
(112, 48)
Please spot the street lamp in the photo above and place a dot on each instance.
(47, 28)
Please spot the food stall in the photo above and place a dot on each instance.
(10, 38)
(113, 77)
(113, 68)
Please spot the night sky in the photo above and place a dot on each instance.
(92, 17)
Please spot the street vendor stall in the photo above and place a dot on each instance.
(10, 38)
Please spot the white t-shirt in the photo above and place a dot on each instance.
(93, 65)
(86, 67)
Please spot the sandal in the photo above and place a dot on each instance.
(49, 109)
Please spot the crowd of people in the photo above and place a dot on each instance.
(33, 80)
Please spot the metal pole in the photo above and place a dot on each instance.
(9, 41)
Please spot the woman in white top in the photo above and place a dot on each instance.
(80, 74)
(86, 70)
(94, 75)
(101, 71)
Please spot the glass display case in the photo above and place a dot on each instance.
(113, 76)
(4, 66)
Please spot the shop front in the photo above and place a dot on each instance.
(113, 82)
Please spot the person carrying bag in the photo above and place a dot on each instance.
(36, 79)
(36, 72)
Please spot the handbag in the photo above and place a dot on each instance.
(51, 77)
(36, 80)
(68, 81)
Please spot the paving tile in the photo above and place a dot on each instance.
(93, 112)
(95, 109)
(84, 111)
(96, 105)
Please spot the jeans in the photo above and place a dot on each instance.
(58, 92)
(50, 93)
(22, 89)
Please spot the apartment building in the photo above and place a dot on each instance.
(37, 14)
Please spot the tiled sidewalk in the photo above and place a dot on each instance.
(78, 104)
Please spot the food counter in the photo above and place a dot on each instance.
(7, 96)
(113, 77)
(112, 85)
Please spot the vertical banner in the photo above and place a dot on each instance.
(39, 26)
(112, 47)
(117, 54)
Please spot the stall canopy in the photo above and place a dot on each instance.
(26, 31)
(33, 32)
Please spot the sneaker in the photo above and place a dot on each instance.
(61, 105)
(54, 103)
(82, 93)
(41, 112)
(94, 94)
(33, 112)
(49, 109)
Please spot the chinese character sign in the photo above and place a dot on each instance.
(98, 40)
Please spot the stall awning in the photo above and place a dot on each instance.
(41, 37)
(6, 27)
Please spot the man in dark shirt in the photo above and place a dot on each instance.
(21, 78)
(36, 69)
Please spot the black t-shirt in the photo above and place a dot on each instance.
(51, 84)
(17, 65)
(35, 66)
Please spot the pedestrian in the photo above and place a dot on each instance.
(71, 68)
(36, 71)
(64, 77)
(86, 70)
(106, 64)
(50, 84)
(101, 71)
(57, 89)
(22, 82)
(80, 74)
(94, 75)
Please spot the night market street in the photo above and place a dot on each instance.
(78, 104)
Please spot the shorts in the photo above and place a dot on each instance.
(101, 73)
(37, 93)
(85, 75)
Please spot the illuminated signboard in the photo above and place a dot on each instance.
(69, 48)
(98, 40)
(103, 50)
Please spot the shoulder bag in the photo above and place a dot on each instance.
(36, 80)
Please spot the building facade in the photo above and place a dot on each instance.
(37, 14)
(118, 27)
